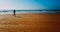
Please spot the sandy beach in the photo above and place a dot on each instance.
(30, 23)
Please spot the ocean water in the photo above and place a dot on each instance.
(27, 11)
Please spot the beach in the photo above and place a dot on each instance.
(30, 23)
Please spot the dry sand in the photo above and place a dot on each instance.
(30, 23)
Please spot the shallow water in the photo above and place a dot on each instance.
(27, 11)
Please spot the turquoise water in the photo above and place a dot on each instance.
(26, 11)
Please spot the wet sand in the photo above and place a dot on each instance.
(30, 23)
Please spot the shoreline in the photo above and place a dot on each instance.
(30, 13)
(25, 12)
